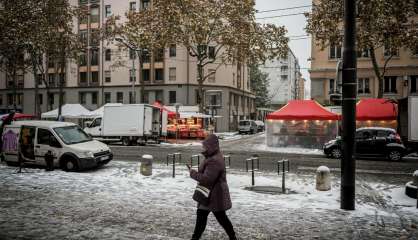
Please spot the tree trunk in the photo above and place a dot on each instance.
(141, 79)
(14, 91)
(60, 84)
(377, 72)
(200, 91)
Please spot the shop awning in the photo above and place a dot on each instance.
(376, 109)
(303, 110)
(18, 116)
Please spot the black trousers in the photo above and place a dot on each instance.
(202, 218)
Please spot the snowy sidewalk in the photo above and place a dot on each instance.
(115, 202)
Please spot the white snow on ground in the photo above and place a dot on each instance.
(122, 180)
(294, 150)
(228, 136)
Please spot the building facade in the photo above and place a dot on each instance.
(401, 77)
(105, 73)
(284, 79)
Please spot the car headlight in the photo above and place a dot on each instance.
(87, 154)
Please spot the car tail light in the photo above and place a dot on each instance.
(398, 138)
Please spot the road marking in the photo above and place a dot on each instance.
(359, 171)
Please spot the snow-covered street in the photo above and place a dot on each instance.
(116, 202)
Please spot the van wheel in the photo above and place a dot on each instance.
(70, 165)
(336, 153)
(126, 141)
(394, 155)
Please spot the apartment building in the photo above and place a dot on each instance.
(400, 79)
(284, 79)
(106, 73)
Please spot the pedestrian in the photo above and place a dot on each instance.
(212, 175)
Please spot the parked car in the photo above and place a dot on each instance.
(260, 125)
(247, 126)
(373, 142)
(72, 148)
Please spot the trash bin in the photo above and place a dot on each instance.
(146, 165)
(323, 179)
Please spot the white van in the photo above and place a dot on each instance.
(72, 148)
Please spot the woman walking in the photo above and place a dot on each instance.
(212, 175)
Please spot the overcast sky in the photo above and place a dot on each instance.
(294, 24)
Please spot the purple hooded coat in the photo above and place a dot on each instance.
(209, 170)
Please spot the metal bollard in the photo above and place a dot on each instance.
(323, 179)
(252, 168)
(229, 161)
(284, 171)
(170, 155)
(146, 165)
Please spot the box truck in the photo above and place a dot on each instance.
(129, 124)
(408, 122)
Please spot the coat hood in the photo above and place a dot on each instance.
(211, 143)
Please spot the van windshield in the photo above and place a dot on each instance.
(244, 123)
(72, 135)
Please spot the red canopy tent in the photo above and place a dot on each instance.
(376, 110)
(18, 116)
(303, 110)
(170, 114)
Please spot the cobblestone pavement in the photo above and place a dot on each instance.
(111, 203)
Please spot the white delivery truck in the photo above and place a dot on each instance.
(71, 148)
(129, 124)
(408, 122)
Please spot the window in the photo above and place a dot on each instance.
(10, 99)
(363, 85)
(146, 97)
(94, 57)
(119, 97)
(364, 53)
(132, 75)
(94, 77)
(212, 52)
(283, 77)
(390, 51)
(416, 6)
(159, 55)
(159, 96)
(145, 75)
(83, 59)
(159, 74)
(44, 136)
(414, 80)
(83, 37)
(145, 4)
(172, 96)
(335, 51)
(108, 78)
(39, 79)
(132, 6)
(107, 97)
(51, 99)
(145, 56)
(94, 14)
(172, 74)
(40, 99)
(51, 79)
(108, 11)
(96, 123)
(94, 98)
(284, 69)
(83, 77)
(390, 84)
(108, 55)
(331, 86)
(132, 54)
(1, 100)
(173, 49)
(82, 97)
(212, 75)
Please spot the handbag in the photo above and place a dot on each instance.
(202, 194)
